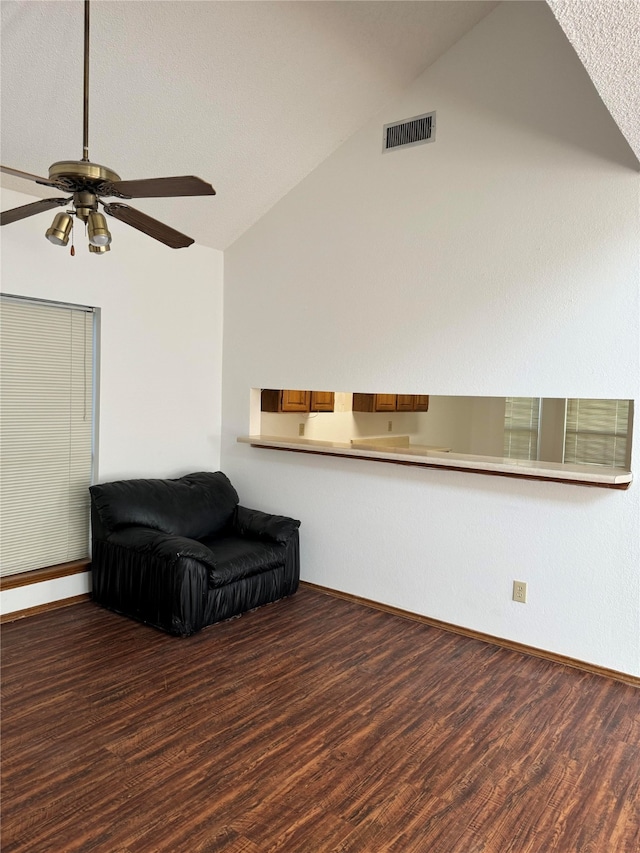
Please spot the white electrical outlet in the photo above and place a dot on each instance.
(301, 429)
(389, 426)
(520, 592)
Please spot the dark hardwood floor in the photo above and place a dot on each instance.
(313, 725)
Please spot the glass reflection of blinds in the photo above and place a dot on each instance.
(46, 442)
(597, 432)
(521, 424)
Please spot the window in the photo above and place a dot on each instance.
(521, 423)
(47, 424)
(596, 432)
(576, 431)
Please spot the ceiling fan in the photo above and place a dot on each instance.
(89, 183)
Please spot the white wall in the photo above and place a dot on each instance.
(500, 260)
(160, 350)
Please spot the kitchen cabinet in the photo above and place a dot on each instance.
(374, 402)
(277, 400)
(273, 400)
(405, 402)
(322, 401)
(390, 402)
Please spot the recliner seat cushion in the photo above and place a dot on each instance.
(236, 559)
(194, 506)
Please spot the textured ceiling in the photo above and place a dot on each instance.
(251, 96)
(606, 36)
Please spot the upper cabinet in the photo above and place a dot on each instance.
(273, 400)
(405, 403)
(322, 401)
(285, 401)
(390, 402)
(374, 402)
(278, 400)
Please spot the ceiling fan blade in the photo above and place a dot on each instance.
(9, 216)
(26, 175)
(162, 187)
(158, 230)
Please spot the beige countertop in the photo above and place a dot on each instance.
(439, 457)
(396, 441)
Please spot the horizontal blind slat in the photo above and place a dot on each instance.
(597, 432)
(521, 425)
(46, 443)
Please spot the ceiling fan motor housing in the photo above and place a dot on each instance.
(83, 179)
(82, 171)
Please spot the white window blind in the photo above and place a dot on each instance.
(597, 431)
(521, 424)
(46, 433)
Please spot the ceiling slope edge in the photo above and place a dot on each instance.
(606, 39)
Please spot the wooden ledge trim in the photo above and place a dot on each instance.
(594, 669)
(43, 608)
(46, 574)
(422, 462)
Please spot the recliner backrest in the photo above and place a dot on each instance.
(195, 506)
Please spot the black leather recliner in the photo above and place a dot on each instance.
(182, 554)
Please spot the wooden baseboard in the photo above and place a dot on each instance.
(42, 608)
(594, 669)
(48, 573)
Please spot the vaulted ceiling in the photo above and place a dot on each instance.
(250, 96)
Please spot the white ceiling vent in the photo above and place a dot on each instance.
(409, 131)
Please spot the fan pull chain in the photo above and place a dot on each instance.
(72, 251)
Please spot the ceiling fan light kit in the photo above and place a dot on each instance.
(89, 182)
(59, 232)
(97, 228)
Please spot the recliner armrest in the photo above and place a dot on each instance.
(262, 525)
(162, 545)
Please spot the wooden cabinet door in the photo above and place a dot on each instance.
(406, 403)
(413, 403)
(362, 402)
(295, 401)
(272, 400)
(269, 400)
(385, 403)
(322, 401)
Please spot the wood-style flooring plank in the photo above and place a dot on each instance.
(314, 725)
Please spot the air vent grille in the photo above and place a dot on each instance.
(410, 131)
